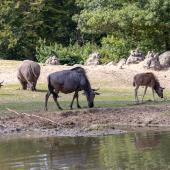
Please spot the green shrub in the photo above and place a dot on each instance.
(72, 54)
(113, 49)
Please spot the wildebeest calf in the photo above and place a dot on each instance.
(68, 81)
(147, 80)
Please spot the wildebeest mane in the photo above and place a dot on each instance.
(157, 84)
(79, 69)
(82, 70)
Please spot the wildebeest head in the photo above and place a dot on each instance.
(159, 91)
(91, 96)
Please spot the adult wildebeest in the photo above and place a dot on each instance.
(68, 81)
(28, 74)
(147, 80)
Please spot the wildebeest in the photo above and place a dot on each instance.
(1, 84)
(28, 74)
(147, 80)
(68, 81)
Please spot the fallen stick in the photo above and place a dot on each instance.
(32, 115)
(13, 111)
(44, 118)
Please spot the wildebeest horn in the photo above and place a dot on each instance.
(96, 93)
(95, 89)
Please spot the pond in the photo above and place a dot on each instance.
(144, 150)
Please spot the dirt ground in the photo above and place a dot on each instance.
(87, 122)
(101, 75)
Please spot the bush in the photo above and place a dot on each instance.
(72, 54)
(113, 49)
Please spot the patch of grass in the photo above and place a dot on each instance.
(27, 101)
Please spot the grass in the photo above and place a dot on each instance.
(27, 101)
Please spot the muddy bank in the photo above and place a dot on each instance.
(86, 122)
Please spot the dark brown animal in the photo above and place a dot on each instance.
(69, 81)
(28, 74)
(1, 84)
(147, 80)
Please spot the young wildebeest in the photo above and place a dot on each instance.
(147, 80)
(68, 81)
(28, 74)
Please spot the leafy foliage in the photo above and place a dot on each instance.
(72, 26)
(72, 54)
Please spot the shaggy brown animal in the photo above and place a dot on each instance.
(147, 80)
(28, 74)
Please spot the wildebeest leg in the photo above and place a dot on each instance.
(153, 94)
(46, 99)
(35, 83)
(136, 94)
(55, 96)
(144, 92)
(30, 86)
(23, 84)
(75, 96)
(78, 106)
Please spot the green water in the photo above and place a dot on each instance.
(143, 151)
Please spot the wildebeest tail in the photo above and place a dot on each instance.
(134, 84)
(50, 87)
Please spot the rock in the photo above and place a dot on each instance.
(110, 63)
(121, 63)
(53, 61)
(77, 65)
(135, 57)
(164, 59)
(152, 61)
(93, 59)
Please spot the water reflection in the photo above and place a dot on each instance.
(128, 151)
(145, 141)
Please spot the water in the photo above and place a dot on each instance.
(143, 151)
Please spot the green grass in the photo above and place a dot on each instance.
(27, 101)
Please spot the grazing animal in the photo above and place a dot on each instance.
(68, 81)
(28, 74)
(147, 80)
(1, 84)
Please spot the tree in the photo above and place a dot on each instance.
(20, 23)
(143, 24)
(58, 24)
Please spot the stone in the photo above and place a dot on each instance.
(94, 59)
(110, 63)
(121, 63)
(53, 61)
(152, 61)
(164, 59)
(136, 56)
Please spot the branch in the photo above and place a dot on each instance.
(32, 115)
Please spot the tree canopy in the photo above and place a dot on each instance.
(114, 26)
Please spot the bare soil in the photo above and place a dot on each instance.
(101, 75)
(87, 122)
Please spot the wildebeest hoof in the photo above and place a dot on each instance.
(60, 108)
(79, 107)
